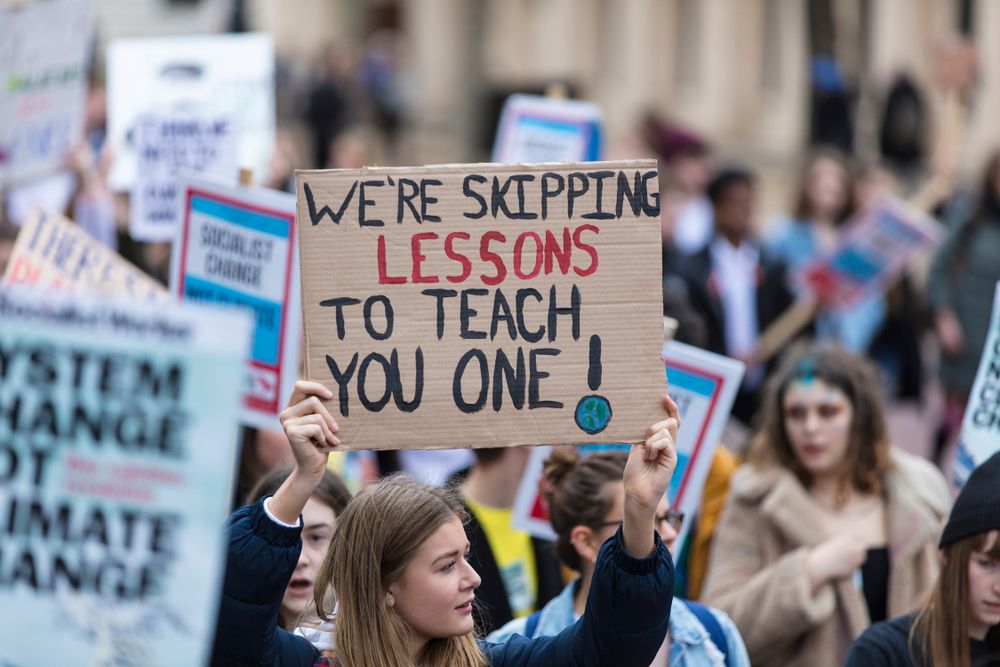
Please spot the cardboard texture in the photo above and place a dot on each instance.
(53, 253)
(507, 305)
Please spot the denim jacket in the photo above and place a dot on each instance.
(690, 645)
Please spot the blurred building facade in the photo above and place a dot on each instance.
(742, 72)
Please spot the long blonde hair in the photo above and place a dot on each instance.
(376, 537)
(940, 632)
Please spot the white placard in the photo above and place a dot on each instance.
(44, 48)
(168, 145)
(229, 75)
(236, 247)
(980, 435)
(542, 129)
(116, 473)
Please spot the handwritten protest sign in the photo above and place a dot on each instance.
(54, 254)
(484, 305)
(211, 75)
(236, 246)
(980, 435)
(44, 48)
(542, 129)
(704, 386)
(117, 445)
(872, 254)
(168, 145)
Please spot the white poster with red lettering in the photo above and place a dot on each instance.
(118, 442)
(236, 247)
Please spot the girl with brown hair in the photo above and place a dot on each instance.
(399, 567)
(827, 528)
(958, 623)
(585, 500)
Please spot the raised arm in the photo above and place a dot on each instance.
(311, 432)
(628, 608)
(264, 544)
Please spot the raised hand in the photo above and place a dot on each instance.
(310, 429)
(311, 432)
(651, 463)
(647, 475)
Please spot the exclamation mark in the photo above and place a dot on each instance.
(594, 374)
(593, 412)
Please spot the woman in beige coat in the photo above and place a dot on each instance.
(827, 529)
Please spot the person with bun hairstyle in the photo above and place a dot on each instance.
(398, 566)
(585, 499)
(958, 623)
(827, 528)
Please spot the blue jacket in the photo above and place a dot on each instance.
(690, 644)
(628, 610)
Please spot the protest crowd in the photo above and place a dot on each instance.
(273, 391)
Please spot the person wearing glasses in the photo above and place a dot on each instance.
(586, 507)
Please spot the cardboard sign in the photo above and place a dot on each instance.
(872, 254)
(704, 386)
(484, 305)
(980, 435)
(167, 146)
(216, 75)
(117, 452)
(236, 246)
(44, 48)
(541, 129)
(54, 254)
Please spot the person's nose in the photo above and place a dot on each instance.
(811, 422)
(471, 578)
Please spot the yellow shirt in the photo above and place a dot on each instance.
(513, 553)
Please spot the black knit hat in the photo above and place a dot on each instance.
(977, 508)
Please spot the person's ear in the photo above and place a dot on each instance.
(585, 542)
(942, 557)
(390, 600)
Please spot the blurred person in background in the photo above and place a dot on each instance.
(585, 500)
(735, 283)
(319, 518)
(827, 528)
(824, 202)
(685, 171)
(960, 292)
(328, 108)
(958, 623)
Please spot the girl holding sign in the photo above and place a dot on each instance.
(958, 624)
(828, 528)
(403, 584)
